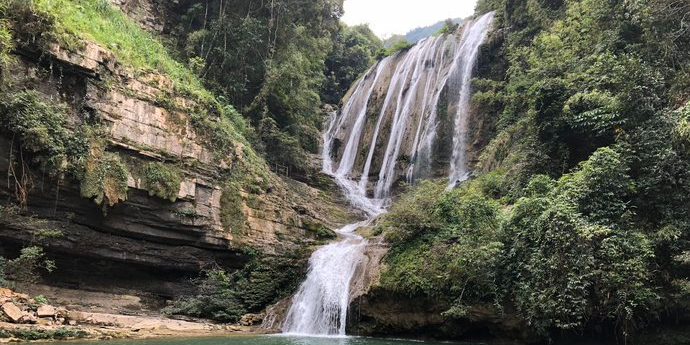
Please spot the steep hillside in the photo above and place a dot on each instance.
(125, 175)
(576, 225)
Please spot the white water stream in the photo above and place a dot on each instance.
(418, 78)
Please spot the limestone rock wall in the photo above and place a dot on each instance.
(146, 244)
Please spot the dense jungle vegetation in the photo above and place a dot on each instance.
(277, 62)
(578, 218)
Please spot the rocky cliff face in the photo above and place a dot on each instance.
(147, 244)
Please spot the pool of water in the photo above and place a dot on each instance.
(260, 340)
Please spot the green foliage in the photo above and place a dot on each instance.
(398, 46)
(277, 76)
(26, 21)
(443, 247)
(232, 207)
(108, 26)
(581, 76)
(282, 147)
(581, 73)
(449, 26)
(162, 180)
(61, 333)
(603, 171)
(105, 175)
(28, 266)
(6, 45)
(3, 272)
(244, 176)
(225, 297)
(570, 248)
(40, 128)
(593, 111)
(319, 230)
(353, 52)
(41, 300)
(43, 234)
(410, 216)
(681, 131)
(565, 254)
(219, 130)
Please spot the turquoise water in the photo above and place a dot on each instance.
(258, 340)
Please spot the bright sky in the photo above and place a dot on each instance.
(387, 17)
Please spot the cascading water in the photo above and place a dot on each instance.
(472, 39)
(406, 125)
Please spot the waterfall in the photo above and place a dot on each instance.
(469, 50)
(412, 85)
(320, 305)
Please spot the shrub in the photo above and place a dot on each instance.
(104, 177)
(681, 131)
(413, 214)
(398, 46)
(225, 297)
(232, 207)
(444, 245)
(27, 266)
(3, 274)
(220, 134)
(162, 180)
(600, 188)
(6, 45)
(41, 130)
(41, 300)
(30, 23)
(319, 230)
(61, 333)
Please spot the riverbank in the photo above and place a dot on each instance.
(25, 318)
(111, 326)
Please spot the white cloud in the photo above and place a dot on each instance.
(387, 17)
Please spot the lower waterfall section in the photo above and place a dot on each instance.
(320, 305)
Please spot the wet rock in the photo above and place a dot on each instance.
(251, 319)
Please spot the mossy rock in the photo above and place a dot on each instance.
(318, 230)
(162, 180)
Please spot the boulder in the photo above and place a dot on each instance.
(5, 293)
(22, 297)
(251, 319)
(12, 311)
(28, 318)
(46, 311)
(61, 311)
(45, 322)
